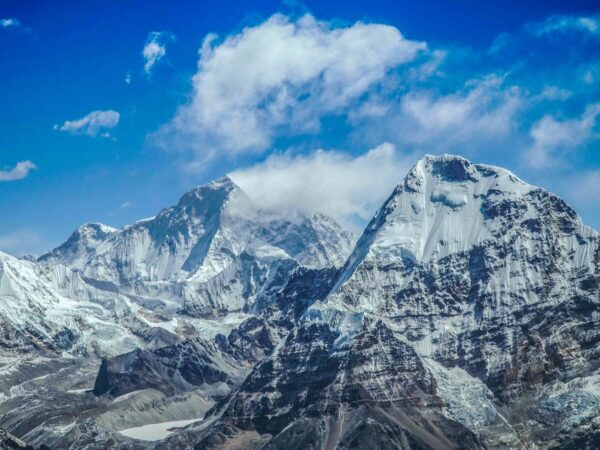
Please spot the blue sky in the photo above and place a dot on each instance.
(109, 111)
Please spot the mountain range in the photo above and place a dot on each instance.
(466, 316)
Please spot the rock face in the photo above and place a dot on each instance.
(10, 442)
(466, 316)
(177, 368)
(373, 392)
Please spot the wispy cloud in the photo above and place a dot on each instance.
(155, 49)
(480, 112)
(93, 124)
(563, 24)
(18, 172)
(9, 23)
(126, 205)
(282, 77)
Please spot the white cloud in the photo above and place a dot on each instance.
(345, 187)
(281, 78)
(126, 205)
(273, 84)
(483, 109)
(552, 137)
(466, 121)
(22, 242)
(9, 22)
(155, 49)
(18, 172)
(566, 23)
(93, 124)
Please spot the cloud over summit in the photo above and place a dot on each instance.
(345, 187)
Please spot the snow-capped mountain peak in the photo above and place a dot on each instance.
(440, 208)
(447, 205)
(80, 245)
(479, 290)
(192, 254)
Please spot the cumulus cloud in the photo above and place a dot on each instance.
(552, 138)
(155, 49)
(347, 188)
(9, 22)
(282, 77)
(18, 172)
(93, 124)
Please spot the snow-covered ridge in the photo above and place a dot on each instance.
(52, 309)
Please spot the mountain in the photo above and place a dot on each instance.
(466, 316)
(212, 253)
(178, 295)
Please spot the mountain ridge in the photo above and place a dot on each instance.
(476, 313)
(467, 315)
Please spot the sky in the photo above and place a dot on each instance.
(110, 111)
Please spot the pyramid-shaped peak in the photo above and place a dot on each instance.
(214, 191)
(223, 183)
(95, 228)
(85, 236)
